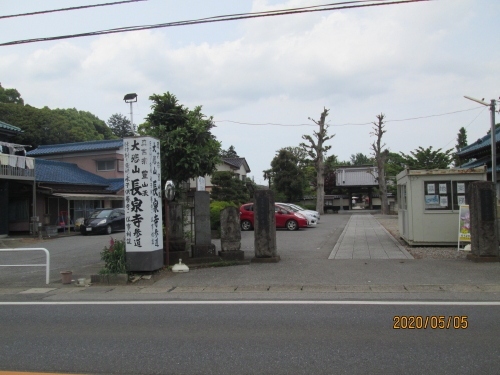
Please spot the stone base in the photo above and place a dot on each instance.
(275, 259)
(232, 255)
(202, 260)
(200, 251)
(174, 256)
(482, 259)
(177, 245)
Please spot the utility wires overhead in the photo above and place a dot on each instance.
(229, 17)
(72, 8)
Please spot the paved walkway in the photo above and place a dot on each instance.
(365, 238)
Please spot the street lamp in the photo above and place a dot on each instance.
(131, 98)
(492, 106)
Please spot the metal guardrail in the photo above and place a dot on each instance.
(47, 264)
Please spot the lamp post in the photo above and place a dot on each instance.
(492, 106)
(131, 98)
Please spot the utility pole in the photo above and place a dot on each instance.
(492, 106)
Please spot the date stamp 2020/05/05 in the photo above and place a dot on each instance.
(430, 321)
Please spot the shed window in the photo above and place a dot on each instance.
(106, 165)
(446, 195)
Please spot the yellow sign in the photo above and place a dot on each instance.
(464, 226)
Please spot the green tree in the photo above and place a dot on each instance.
(428, 159)
(317, 150)
(120, 126)
(10, 96)
(360, 159)
(45, 126)
(228, 187)
(288, 177)
(229, 153)
(461, 143)
(188, 148)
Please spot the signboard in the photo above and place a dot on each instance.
(464, 224)
(200, 184)
(143, 214)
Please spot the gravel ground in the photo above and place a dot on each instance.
(390, 222)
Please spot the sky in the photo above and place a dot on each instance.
(413, 62)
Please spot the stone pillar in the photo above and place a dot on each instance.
(230, 234)
(203, 246)
(176, 242)
(4, 202)
(264, 228)
(483, 210)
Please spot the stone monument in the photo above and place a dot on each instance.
(483, 217)
(264, 228)
(230, 234)
(176, 241)
(203, 247)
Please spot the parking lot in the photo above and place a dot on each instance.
(81, 254)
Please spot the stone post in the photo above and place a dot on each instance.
(176, 242)
(203, 247)
(264, 228)
(230, 234)
(483, 230)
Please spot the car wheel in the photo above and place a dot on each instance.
(109, 230)
(292, 225)
(246, 225)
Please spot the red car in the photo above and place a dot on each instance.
(284, 218)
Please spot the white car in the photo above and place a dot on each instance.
(296, 206)
(312, 220)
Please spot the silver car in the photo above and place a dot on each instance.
(312, 220)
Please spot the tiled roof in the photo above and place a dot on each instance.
(58, 172)
(480, 145)
(115, 184)
(480, 162)
(236, 162)
(4, 125)
(111, 144)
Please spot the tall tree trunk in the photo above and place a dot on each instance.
(381, 157)
(320, 186)
(382, 185)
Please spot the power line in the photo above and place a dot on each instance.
(72, 8)
(349, 124)
(232, 17)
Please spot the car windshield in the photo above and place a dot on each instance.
(100, 214)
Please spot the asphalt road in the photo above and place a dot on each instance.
(250, 338)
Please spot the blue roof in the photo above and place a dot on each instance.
(480, 144)
(480, 162)
(58, 172)
(4, 125)
(115, 184)
(111, 144)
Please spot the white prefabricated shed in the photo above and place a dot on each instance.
(429, 202)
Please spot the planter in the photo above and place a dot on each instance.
(66, 277)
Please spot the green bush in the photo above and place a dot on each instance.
(114, 257)
(215, 208)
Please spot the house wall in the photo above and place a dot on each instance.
(88, 161)
(220, 168)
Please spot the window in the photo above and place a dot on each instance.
(120, 166)
(106, 165)
(446, 195)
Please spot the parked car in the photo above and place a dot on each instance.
(300, 208)
(312, 221)
(104, 220)
(284, 218)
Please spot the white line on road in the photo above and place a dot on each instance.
(386, 303)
